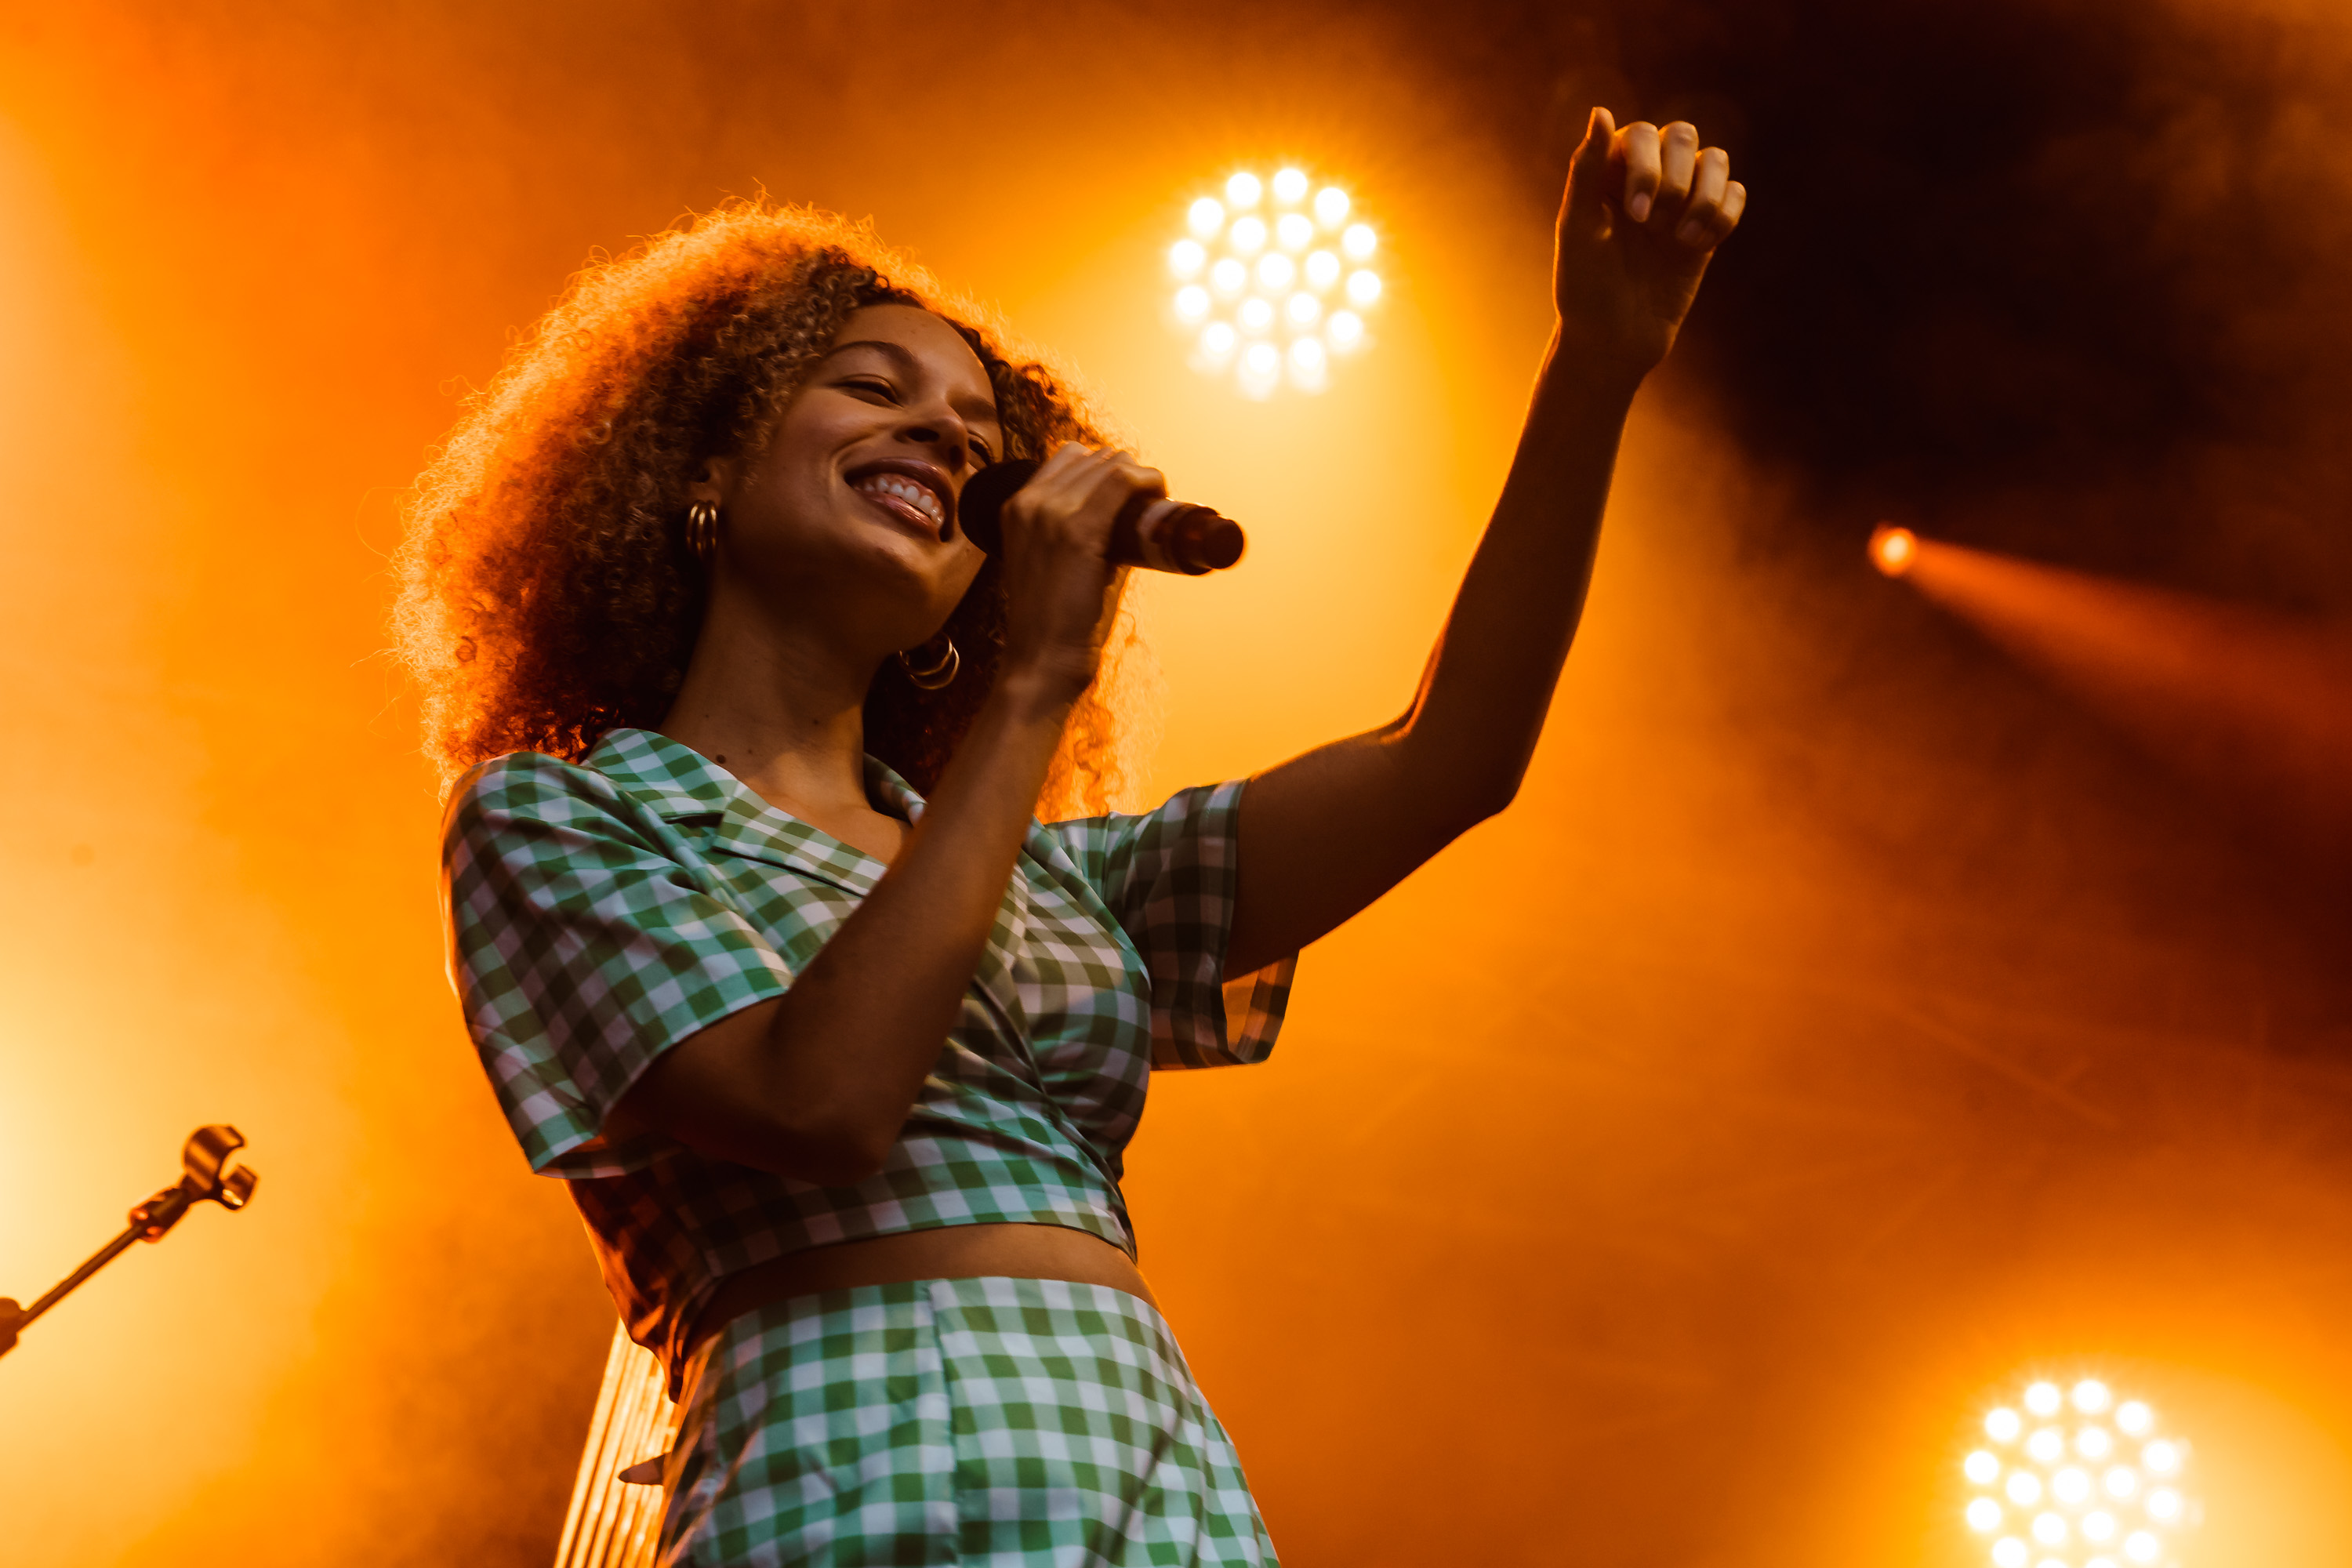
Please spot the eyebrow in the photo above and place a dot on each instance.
(905, 356)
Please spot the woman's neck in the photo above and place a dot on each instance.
(788, 718)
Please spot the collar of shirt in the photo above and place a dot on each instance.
(680, 786)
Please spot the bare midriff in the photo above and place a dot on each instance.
(950, 1252)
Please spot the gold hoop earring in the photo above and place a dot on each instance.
(931, 678)
(702, 529)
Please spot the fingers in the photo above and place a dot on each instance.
(1078, 492)
(1716, 200)
(1660, 178)
(1060, 461)
(1118, 485)
(1584, 211)
(1678, 160)
(1735, 202)
(1710, 180)
(1639, 153)
(1660, 166)
(1671, 182)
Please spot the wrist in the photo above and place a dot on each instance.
(1038, 690)
(1585, 378)
(1606, 369)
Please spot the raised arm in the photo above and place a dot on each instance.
(1325, 833)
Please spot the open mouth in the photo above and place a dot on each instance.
(906, 496)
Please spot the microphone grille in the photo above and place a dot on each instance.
(979, 507)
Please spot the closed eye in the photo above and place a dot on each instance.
(884, 391)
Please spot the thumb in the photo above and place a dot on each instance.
(1584, 210)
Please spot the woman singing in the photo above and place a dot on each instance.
(762, 947)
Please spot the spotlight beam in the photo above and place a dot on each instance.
(2253, 705)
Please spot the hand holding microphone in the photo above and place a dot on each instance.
(1154, 531)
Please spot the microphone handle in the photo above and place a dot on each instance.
(1152, 532)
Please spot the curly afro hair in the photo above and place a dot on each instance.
(546, 592)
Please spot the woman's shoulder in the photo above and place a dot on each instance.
(531, 784)
(629, 787)
(527, 774)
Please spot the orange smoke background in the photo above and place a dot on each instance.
(1844, 1022)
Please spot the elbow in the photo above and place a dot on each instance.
(830, 1154)
(1472, 801)
(724, 1097)
(1458, 785)
(847, 1169)
(1491, 798)
(1494, 780)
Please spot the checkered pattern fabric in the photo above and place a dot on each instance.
(981, 1422)
(600, 913)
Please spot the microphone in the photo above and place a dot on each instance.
(1151, 530)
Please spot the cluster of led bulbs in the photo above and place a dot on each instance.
(1272, 285)
(2091, 1487)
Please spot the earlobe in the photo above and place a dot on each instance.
(716, 482)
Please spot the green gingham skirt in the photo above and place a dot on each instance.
(991, 1421)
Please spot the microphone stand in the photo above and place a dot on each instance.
(204, 1159)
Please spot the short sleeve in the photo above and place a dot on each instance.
(1170, 878)
(582, 945)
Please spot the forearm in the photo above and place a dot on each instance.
(818, 1083)
(1465, 740)
(1327, 832)
(863, 1025)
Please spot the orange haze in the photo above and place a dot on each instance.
(1823, 1039)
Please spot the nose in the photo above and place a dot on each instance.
(942, 429)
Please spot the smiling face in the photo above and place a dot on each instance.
(845, 523)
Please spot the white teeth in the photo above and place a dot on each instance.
(919, 497)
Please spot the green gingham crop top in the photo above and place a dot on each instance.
(600, 913)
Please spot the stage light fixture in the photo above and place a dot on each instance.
(1274, 261)
(1892, 551)
(2046, 1506)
